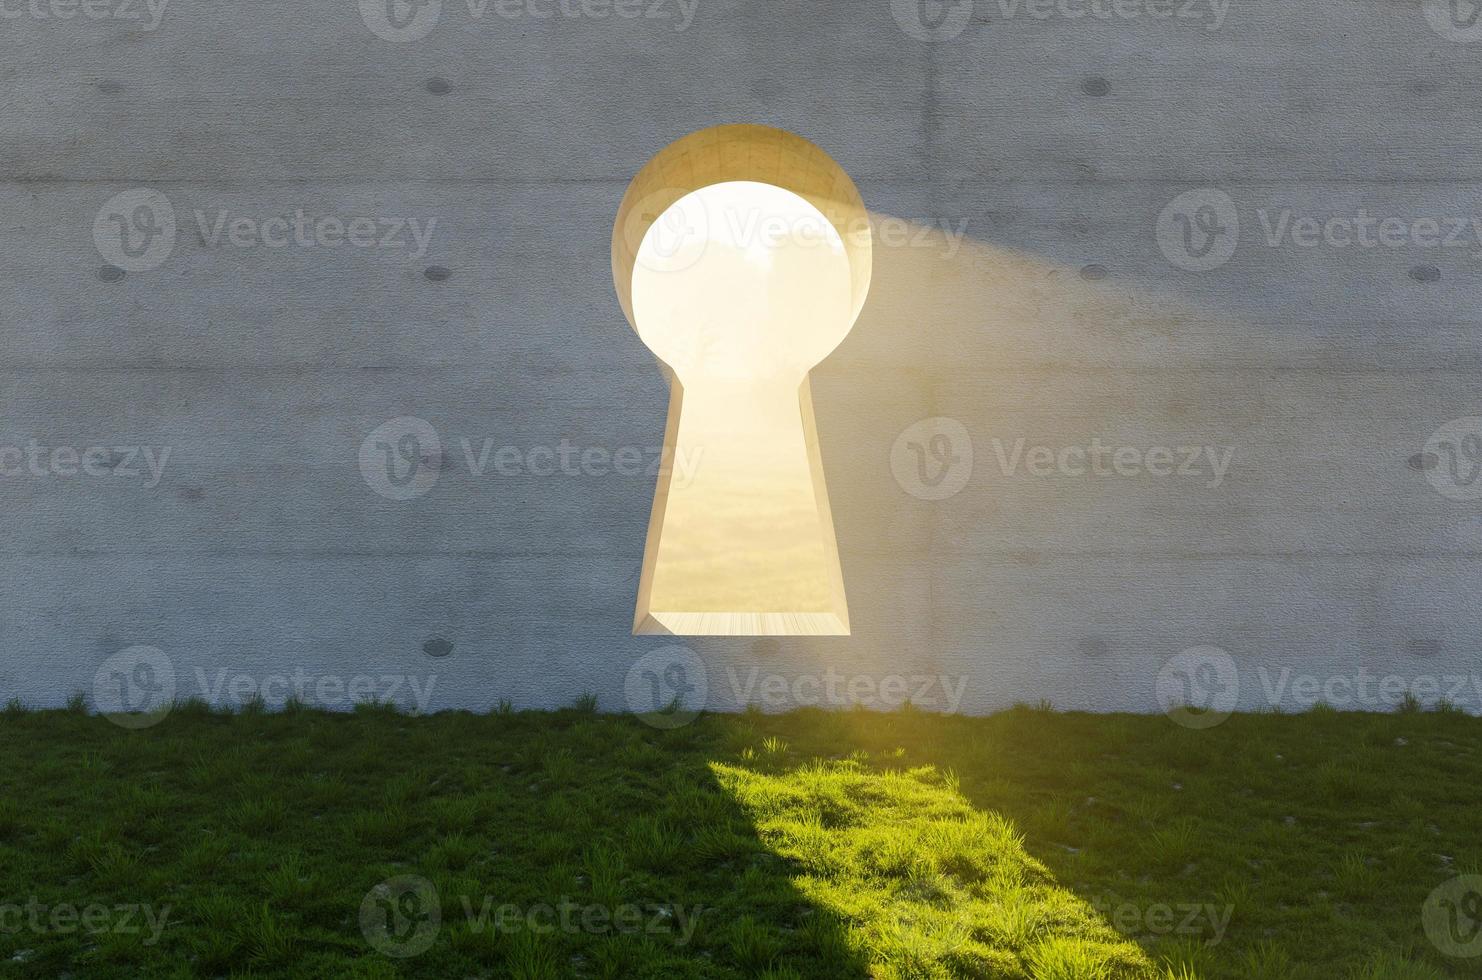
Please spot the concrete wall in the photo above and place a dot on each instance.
(1069, 143)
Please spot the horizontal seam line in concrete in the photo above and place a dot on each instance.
(1007, 557)
(1215, 181)
(822, 374)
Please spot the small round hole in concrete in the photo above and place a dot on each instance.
(1426, 646)
(439, 86)
(438, 647)
(1096, 86)
(111, 273)
(1093, 272)
(1425, 273)
(766, 647)
(1423, 461)
(437, 273)
(1093, 646)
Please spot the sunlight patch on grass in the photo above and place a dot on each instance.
(926, 885)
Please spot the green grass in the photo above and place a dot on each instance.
(1029, 844)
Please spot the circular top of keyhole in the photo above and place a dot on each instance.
(742, 153)
(744, 282)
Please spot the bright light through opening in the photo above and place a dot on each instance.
(740, 288)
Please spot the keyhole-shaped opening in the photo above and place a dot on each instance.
(741, 275)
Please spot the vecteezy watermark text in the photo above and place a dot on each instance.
(323, 690)
(1199, 229)
(1200, 687)
(1360, 229)
(1196, 920)
(94, 918)
(129, 462)
(402, 916)
(403, 458)
(943, 20)
(401, 21)
(1363, 690)
(1209, 14)
(669, 687)
(886, 692)
(686, 229)
(137, 687)
(132, 11)
(135, 230)
(302, 230)
(1208, 463)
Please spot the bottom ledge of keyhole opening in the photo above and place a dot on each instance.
(656, 623)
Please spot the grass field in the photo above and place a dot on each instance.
(576, 844)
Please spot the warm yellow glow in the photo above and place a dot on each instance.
(740, 288)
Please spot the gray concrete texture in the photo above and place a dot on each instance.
(1194, 284)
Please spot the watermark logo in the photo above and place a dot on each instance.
(135, 230)
(932, 20)
(933, 459)
(667, 230)
(1452, 459)
(1455, 20)
(1198, 230)
(135, 688)
(399, 21)
(401, 916)
(667, 687)
(401, 459)
(1199, 687)
(1452, 916)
